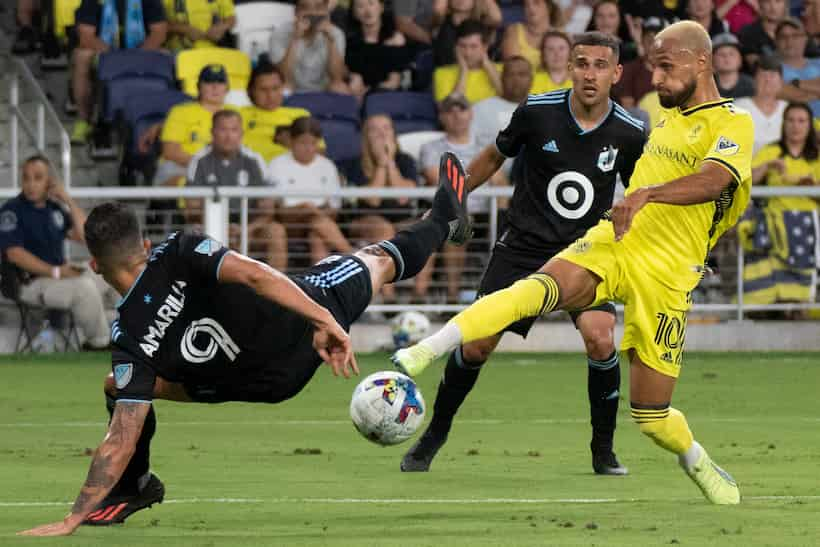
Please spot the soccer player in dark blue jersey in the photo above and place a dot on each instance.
(200, 323)
(575, 144)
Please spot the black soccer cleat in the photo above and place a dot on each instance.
(114, 509)
(606, 463)
(450, 201)
(421, 454)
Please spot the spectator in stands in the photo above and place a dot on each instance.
(781, 265)
(266, 122)
(383, 165)
(375, 54)
(199, 23)
(636, 80)
(554, 73)
(703, 12)
(225, 162)
(26, 40)
(607, 18)
(494, 113)
(33, 230)
(527, 38)
(456, 115)
(414, 18)
(737, 13)
(765, 107)
(727, 61)
(310, 51)
(801, 75)
(475, 76)
(576, 15)
(485, 12)
(303, 168)
(757, 38)
(100, 30)
(188, 126)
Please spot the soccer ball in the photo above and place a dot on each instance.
(387, 408)
(408, 328)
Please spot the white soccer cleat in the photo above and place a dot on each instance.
(413, 360)
(717, 485)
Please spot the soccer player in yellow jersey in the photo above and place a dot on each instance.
(690, 185)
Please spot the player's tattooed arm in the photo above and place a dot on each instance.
(109, 462)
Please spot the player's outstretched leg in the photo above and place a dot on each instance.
(138, 488)
(460, 375)
(668, 428)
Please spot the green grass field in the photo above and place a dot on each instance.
(515, 472)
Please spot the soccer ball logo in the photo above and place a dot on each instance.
(387, 408)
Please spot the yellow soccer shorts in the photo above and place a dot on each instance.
(654, 314)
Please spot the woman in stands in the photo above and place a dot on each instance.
(554, 73)
(304, 168)
(525, 39)
(375, 55)
(781, 236)
(607, 18)
(383, 165)
(486, 12)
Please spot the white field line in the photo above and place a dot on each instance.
(417, 501)
(324, 423)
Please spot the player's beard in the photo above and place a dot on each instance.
(680, 98)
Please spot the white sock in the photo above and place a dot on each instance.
(444, 341)
(688, 459)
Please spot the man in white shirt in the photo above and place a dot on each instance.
(766, 109)
(310, 51)
(304, 169)
(456, 116)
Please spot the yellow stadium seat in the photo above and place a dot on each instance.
(64, 17)
(190, 62)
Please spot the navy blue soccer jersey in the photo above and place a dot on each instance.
(569, 174)
(39, 230)
(180, 323)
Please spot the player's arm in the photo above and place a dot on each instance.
(484, 166)
(109, 462)
(331, 342)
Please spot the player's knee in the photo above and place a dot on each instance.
(599, 343)
(478, 351)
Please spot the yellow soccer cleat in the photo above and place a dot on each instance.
(413, 360)
(716, 484)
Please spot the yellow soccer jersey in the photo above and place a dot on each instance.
(260, 128)
(672, 241)
(200, 14)
(478, 86)
(189, 124)
(796, 170)
(542, 83)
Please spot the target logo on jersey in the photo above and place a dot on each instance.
(570, 194)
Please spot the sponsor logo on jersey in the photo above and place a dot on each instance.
(214, 337)
(551, 146)
(167, 312)
(694, 133)
(208, 247)
(606, 159)
(670, 154)
(726, 147)
(122, 374)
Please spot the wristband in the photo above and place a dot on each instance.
(55, 272)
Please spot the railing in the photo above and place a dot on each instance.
(36, 129)
(217, 211)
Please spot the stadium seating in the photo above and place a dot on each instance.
(339, 116)
(411, 143)
(190, 62)
(410, 110)
(131, 72)
(256, 21)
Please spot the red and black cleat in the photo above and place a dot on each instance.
(450, 200)
(115, 509)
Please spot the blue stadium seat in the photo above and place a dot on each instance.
(343, 140)
(512, 13)
(327, 106)
(409, 110)
(140, 112)
(131, 72)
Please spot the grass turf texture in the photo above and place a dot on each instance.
(522, 435)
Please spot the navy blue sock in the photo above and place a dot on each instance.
(457, 381)
(411, 248)
(603, 384)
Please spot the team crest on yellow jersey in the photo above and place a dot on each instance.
(726, 147)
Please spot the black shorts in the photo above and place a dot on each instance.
(339, 283)
(507, 266)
